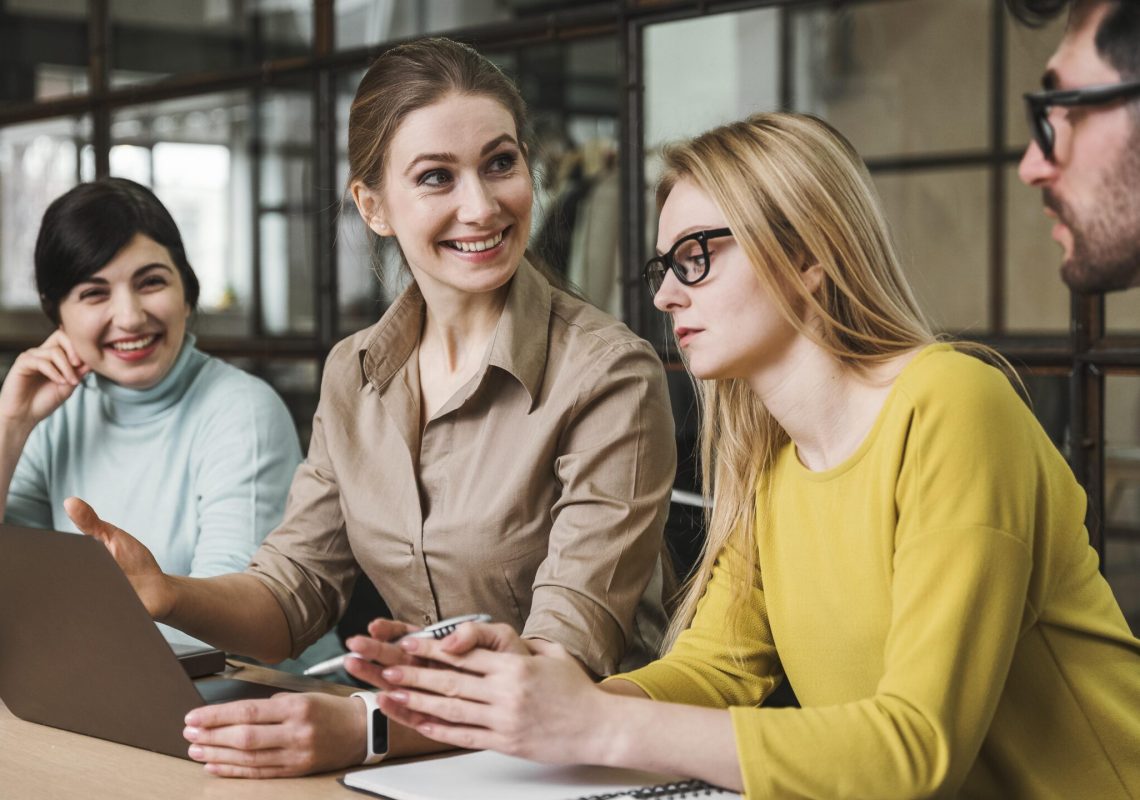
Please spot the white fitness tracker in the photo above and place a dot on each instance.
(377, 740)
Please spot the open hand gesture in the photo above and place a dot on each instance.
(137, 562)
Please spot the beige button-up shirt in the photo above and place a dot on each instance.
(537, 494)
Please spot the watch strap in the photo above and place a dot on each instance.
(376, 740)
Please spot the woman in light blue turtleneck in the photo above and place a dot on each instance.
(190, 454)
(198, 465)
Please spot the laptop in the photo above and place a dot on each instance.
(79, 651)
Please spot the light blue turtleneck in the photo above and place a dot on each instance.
(197, 467)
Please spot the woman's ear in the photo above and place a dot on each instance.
(812, 276)
(371, 209)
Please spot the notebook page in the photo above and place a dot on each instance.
(488, 775)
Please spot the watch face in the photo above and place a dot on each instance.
(379, 732)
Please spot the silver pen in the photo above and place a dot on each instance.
(437, 630)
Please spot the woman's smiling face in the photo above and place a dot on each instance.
(128, 320)
(456, 194)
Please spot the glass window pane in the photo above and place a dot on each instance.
(940, 219)
(1027, 50)
(1122, 312)
(38, 162)
(284, 203)
(1049, 399)
(156, 40)
(43, 50)
(369, 22)
(739, 56)
(1122, 492)
(893, 77)
(1036, 299)
(287, 272)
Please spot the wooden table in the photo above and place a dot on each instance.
(41, 762)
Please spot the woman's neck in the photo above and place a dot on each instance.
(458, 327)
(826, 407)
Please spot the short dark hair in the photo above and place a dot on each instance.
(85, 227)
(1117, 40)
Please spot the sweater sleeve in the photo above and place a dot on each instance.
(246, 456)
(29, 501)
(969, 487)
(723, 658)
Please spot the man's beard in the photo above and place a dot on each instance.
(1106, 241)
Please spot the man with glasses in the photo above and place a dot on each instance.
(1085, 152)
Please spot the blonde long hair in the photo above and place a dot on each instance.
(794, 192)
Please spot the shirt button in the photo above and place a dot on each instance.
(427, 619)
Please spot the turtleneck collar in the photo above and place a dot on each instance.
(134, 406)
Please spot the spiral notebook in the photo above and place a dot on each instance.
(492, 776)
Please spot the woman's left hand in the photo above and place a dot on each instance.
(540, 705)
(287, 735)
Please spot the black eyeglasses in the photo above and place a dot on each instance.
(1037, 105)
(688, 258)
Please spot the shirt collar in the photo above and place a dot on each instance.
(519, 345)
(522, 336)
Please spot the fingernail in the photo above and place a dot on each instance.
(411, 645)
(392, 674)
(398, 697)
(195, 751)
(191, 719)
(191, 734)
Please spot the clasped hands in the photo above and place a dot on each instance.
(483, 687)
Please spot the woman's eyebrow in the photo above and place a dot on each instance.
(152, 266)
(449, 158)
(95, 279)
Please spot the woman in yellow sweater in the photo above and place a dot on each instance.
(893, 533)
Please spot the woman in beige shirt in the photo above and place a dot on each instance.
(493, 444)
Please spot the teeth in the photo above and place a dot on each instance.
(478, 247)
(137, 344)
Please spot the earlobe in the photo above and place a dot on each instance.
(370, 209)
(378, 225)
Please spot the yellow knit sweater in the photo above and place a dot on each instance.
(937, 608)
